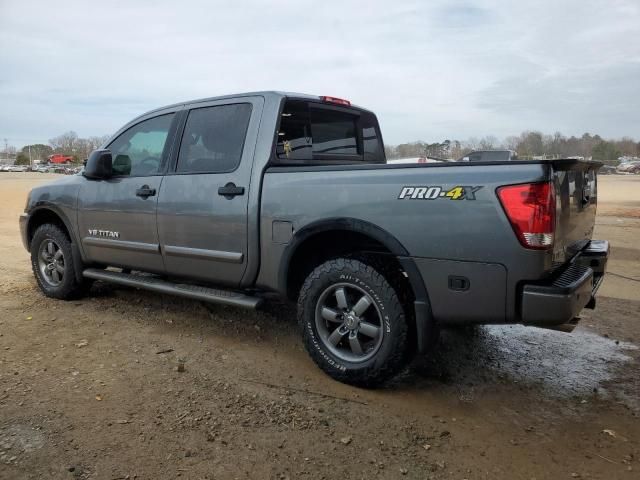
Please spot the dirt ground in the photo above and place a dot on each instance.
(90, 388)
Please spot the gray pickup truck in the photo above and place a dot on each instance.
(233, 198)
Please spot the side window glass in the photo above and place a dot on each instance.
(138, 151)
(213, 138)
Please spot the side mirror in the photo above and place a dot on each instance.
(99, 165)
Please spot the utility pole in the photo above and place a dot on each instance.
(30, 161)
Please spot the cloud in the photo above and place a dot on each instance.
(431, 70)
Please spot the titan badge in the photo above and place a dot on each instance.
(103, 233)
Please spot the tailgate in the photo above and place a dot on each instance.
(576, 200)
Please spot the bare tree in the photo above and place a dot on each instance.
(65, 143)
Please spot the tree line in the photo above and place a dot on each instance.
(526, 145)
(69, 143)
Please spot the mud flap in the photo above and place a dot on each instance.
(77, 262)
(426, 329)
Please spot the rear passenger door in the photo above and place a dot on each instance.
(203, 201)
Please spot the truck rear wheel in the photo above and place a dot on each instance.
(52, 263)
(353, 324)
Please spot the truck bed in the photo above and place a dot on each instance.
(472, 236)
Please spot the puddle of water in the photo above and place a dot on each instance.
(560, 364)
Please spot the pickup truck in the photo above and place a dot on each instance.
(60, 159)
(232, 199)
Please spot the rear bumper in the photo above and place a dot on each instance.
(561, 299)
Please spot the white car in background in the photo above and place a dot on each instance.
(629, 167)
(413, 160)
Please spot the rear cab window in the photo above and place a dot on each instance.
(321, 133)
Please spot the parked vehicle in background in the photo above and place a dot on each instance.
(629, 167)
(399, 161)
(231, 199)
(58, 158)
(607, 170)
(489, 156)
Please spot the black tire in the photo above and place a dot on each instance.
(377, 363)
(68, 286)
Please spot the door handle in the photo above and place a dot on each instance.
(230, 190)
(145, 191)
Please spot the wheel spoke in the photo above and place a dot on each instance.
(44, 255)
(361, 305)
(55, 275)
(58, 255)
(354, 343)
(330, 315)
(341, 297)
(336, 336)
(60, 269)
(357, 316)
(369, 329)
(50, 248)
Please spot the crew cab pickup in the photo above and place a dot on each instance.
(233, 198)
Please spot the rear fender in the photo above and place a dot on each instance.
(425, 323)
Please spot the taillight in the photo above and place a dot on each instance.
(337, 101)
(531, 209)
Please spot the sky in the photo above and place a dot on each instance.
(431, 70)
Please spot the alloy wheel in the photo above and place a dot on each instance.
(349, 322)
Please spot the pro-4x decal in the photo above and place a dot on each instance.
(459, 192)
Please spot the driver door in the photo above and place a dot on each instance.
(117, 216)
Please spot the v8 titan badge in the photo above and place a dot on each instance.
(460, 192)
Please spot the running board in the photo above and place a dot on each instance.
(156, 284)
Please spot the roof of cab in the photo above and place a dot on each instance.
(265, 93)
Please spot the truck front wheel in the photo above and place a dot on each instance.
(353, 324)
(52, 263)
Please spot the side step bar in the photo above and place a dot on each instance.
(156, 284)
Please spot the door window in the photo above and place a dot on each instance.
(139, 150)
(214, 138)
